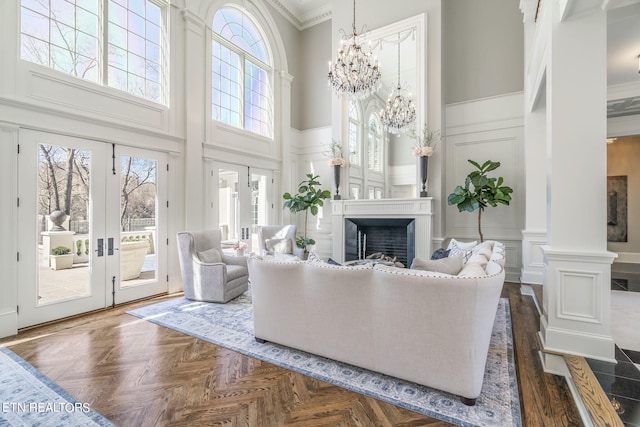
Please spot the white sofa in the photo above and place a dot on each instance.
(430, 328)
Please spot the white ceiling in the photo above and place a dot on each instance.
(623, 46)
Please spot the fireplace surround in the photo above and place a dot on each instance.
(413, 215)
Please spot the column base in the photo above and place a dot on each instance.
(576, 315)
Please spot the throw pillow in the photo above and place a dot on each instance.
(460, 248)
(462, 245)
(440, 253)
(210, 256)
(332, 262)
(312, 257)
(450, 265)
(478, 259)
(279, 246)
(472, 269)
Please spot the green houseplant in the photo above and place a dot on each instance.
(480, 191)
(307, 199)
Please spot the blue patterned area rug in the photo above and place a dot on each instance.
(28, 398)
(231, 326)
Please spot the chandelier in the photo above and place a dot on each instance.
(400, 112)
(355, 72)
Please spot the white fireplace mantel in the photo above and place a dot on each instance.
(419, 209)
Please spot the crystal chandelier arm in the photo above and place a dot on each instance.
(354, 18)
(398, 60)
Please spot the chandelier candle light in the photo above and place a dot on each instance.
(355, 72)
(400, 112)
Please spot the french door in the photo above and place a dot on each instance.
(244, 199)
(92, 223)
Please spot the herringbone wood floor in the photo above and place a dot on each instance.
(138, 374)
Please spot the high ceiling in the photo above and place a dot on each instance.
(623, 47)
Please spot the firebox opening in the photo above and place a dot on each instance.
(394, 237)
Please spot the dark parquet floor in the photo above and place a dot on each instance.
(136, 373)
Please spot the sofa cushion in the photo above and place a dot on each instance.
(478, 259)
(450, 265)
(210, 256)
(472, 269)
(485, 249)
(279, 246)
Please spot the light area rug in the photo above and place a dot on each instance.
(231, 326)
(28, 398)
(625, 319)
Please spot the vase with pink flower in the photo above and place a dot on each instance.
(426, 141)
(336, 161)
(240, 247)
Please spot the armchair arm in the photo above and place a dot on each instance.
(234, 260)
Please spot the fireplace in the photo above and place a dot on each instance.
(408, 220)
(393, 237)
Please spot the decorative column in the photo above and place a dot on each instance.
(534, 236)
(194, 91)
(576, 315)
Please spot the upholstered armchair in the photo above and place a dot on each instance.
(278, 239)
(208, 274)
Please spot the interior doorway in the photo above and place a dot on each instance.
(243, 197)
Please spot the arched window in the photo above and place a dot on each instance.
(354, 134)
(375, 144)
(241, 73)
(68, 37)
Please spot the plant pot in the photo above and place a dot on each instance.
(132, 258)
(61, 262)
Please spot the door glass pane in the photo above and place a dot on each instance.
(259, 207)
(64, 223)
(138, 205)
(228, 209)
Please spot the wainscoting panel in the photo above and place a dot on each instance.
(579, 293)
(480, 130)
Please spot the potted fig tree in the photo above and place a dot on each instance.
(480, 191)
(307, 199)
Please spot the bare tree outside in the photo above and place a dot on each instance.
(66, 37)
(138, 190)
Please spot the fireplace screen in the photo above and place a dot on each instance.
(378, 237)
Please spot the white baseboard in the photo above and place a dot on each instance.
(8, 323)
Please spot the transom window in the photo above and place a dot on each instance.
(66, 35)
(354, 134)
(375, 144)
(241, 73)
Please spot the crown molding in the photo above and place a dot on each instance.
(306, 20)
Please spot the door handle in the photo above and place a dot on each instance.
(100, 249)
